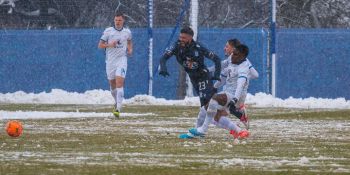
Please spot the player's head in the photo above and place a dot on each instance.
(119, 20)
(240, 53)
(186, 36)
(230, 46)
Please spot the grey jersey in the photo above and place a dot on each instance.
(121, 36)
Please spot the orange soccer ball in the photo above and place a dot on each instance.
(14, 128)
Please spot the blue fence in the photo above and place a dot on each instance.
(37, 60)
(313, 63)
(309, 62)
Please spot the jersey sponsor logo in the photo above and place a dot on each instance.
(119, 44)
(190, 64)
(196, 54)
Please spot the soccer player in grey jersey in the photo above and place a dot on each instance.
(118, 45)
(236, 78)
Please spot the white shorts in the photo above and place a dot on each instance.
(116, 69)
(230, 96)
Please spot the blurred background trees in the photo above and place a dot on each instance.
(53, 14)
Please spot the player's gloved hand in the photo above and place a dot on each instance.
(163, 73)
(216, 78)
(232, 105)
(215, 90)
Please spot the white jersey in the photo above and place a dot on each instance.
(236, 79)
(121, 36)
(252, 72)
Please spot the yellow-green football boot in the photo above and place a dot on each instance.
(116, 113)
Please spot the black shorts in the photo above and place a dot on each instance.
(204, 88)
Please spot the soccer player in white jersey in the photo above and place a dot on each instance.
(252, 74)
(221, 119)
(233, 96)
(228, 49)
(118, 45)
(230, 46)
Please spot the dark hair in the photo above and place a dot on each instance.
(119, 14)
(233, 42)
(243, 49)
(187, 30)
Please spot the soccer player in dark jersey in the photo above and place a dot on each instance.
(190, 55)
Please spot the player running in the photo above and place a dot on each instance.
(117, 43)
(190, 55)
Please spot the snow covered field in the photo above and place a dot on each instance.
(301, 136)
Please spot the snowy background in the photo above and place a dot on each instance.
(57, 96)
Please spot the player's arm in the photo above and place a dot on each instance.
(224, 64)
(241, 81)
(104, 44)
(167, 54)
(253, 73)
(222, 81)
(212, 56)
(130, 47)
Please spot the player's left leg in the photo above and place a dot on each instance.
(201, 117)
(119, 81)
(222, 120)
(114, 93)
(111, 71)
(216, 103)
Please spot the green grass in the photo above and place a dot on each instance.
(283, 141)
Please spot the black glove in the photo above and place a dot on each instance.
(216, 78)
(163, 73)
(215, 90)
(232, 105)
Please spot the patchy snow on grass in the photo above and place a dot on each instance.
(57, 115)
(98, 96)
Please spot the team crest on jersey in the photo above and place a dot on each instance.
(189, 63)
(196, 54)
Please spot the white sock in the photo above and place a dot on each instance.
(211, 112)
(114, 94)
(201, 117)
(120, 97)
(225, 123)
